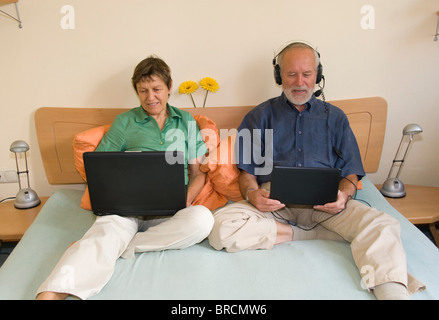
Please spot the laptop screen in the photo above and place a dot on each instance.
(135, 183)
(304, 186)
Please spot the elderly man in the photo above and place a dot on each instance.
(307, 132)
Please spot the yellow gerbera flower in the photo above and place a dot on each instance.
(188, 87)
(209, 84)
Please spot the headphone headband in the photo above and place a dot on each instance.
(277, 76)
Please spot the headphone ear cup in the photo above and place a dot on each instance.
(277, 76)
(319, 73)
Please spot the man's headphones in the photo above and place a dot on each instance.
(277, 76)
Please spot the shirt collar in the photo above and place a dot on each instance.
(142, 116)
(310, 105)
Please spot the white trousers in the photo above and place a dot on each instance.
(88, 264)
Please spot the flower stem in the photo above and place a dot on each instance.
(205, 98)
(193, 100)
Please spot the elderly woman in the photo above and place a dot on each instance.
(89, 263)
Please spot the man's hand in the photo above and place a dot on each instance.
(346, 192)
(334, 207)
(260, 198)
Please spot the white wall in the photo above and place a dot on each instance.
(232, 41)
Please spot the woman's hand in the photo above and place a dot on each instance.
(196, 181)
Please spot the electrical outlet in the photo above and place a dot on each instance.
(8, 176)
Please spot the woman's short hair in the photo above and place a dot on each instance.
(152, 66)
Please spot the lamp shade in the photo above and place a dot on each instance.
(411, 129)
(19, 146)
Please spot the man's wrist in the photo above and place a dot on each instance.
(248, 191)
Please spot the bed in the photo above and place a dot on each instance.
(316, 269)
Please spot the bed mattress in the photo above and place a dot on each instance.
(313, 269)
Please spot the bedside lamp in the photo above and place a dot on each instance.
(26, 198)
(393, 187)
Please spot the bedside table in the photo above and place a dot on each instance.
(14, 222)
(419, 206)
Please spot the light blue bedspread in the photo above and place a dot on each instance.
(296, 270)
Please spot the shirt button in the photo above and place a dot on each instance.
(300, 132)
(300, 149)
(161, 142)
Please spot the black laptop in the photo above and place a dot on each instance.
(135, 183)
(304, 186)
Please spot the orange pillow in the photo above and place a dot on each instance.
(86, 141)
(209, 132)
(221, 168)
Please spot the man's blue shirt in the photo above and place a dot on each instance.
(319, 136)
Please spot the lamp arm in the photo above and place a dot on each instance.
(27, 170)
(18, 172)
(402, 161)
(394, 159)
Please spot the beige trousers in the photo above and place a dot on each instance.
(88, 264)
(374, 236)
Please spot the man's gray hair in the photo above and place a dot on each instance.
(298, 45)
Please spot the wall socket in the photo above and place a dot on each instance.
(8, 176)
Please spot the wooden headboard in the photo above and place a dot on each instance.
(56, 128)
